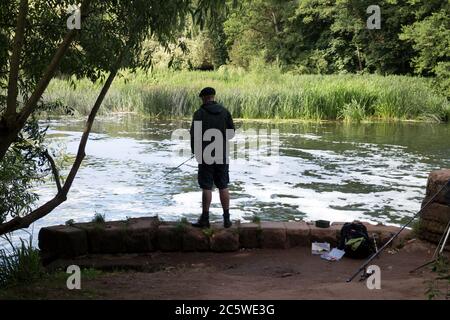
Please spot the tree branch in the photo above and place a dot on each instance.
(24, 222)
(11, 102)
(30, 105)
(54, 170)
(9, 132)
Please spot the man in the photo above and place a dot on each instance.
(212, 127)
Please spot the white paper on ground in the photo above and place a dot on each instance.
(320, 247)
(334, 255)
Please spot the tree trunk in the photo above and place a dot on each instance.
(10, 130)
(14, 65)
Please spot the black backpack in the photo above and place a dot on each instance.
(355, 241)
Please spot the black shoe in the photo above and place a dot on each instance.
(227, 222)
(203, 222)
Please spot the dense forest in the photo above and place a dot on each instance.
(322, 37)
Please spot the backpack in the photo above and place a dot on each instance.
(355, 241)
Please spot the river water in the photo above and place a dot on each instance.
(339, 172)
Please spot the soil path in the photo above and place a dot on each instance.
(259, 274)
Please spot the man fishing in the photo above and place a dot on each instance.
(212, 127)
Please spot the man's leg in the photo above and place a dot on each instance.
(203, 222)
(205, 181)
(206, 201)
(225, 201)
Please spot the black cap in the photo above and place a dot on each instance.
(208, 91)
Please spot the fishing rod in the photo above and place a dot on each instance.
(181, 164)
(376, 254)
(439, 249)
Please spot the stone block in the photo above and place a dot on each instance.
(63, 241)
(250, 235)
(273, 235)
(170, 237)
(224, 240)
(195, 239)
(330, 235)
(298, 234)
(436, 180)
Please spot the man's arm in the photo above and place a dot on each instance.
(230, 126)
(196, 117)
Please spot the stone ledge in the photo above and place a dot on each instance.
(148, 234)
(331, 234)
(297, 234)
(273, 235)
(62, 241)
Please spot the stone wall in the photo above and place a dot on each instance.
(436, 216)
(148, 234)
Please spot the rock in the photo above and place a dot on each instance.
(109, 237)
(195, 239)
(436, 180)
(298, 234)
(225, 240)
(436, 212)
(433, 222)
(141, 234)
(63, 242)
(330, 235)
(249, 235)
(273, 235)
(170, 237)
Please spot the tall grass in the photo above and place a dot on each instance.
(21, 264)
(263, 94)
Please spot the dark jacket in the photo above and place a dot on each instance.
(213, 116)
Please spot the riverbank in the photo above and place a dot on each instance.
(262, 94)
(247, 274)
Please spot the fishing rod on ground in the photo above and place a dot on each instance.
(439, 249)
(376, 254)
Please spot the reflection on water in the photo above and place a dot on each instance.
(332, 171)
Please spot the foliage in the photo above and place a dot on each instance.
(439, 286)
(256, 219)
(22, 168)
(70, 222)
(108, 28)
(431, 39)
(98, 218)
(19, 265)
(181, 225)
(267, 93)
(353, 112)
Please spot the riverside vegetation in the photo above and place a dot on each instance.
(264, 93)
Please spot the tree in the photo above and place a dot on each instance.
(257, 28)
(111, 38)
(431, 39)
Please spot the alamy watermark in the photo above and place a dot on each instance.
(74, 280)
(254, 146)
(74, 19)
(374, 20)
(374, 279)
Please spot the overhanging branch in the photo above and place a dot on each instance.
(55, 170)
(24, 222)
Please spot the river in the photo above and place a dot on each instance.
(373, 172)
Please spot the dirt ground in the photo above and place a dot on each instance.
(250, 274)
